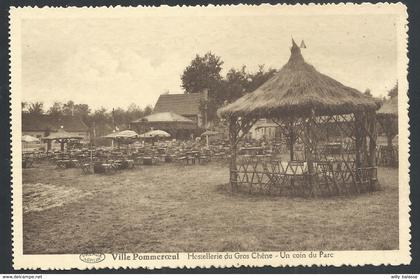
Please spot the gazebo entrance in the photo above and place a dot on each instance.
(330, 132)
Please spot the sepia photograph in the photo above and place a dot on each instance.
(219, 129)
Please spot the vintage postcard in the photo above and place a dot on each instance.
(210, 136)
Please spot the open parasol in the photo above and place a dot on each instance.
(210, 133)
(126, 134)
(28, 139)
(155, 134)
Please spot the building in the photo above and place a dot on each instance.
(41, 126)
(264, 129)
(178, 126)
(187, 105)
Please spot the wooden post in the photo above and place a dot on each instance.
(372, 138)
(364, 130)
(291, 139)
(358, 136)
(388, 131)
(310, 142)
(309, 147)
(61, 145)
(372, 147)
(358, 146)
(233, 136)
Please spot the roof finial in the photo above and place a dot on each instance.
(294, 43)
(296, 55)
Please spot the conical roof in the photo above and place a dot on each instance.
(61, 134)
(297, 89)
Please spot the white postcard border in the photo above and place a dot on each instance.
(338, 258)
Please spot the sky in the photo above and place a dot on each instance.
(113, 62)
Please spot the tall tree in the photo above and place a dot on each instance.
(24, 107)
(235, 84)
(36, 108)
(134, 112)
(203, 73)
(394, 91)
(56, 109)
(255, 80)
(68, 108)
(148, 110)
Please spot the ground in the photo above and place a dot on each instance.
(170, 208)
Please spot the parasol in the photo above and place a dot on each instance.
(155, 134)
(210, 133)
(28, 139)
(123, 134)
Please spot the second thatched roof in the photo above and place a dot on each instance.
(297, 89)
(389, 108)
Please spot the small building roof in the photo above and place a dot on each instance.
(53, 123)
(389, 107)
(163, 117)
(182, 104)
(297, 89)
(61, 134)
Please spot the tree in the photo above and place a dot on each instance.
(235, 84)
(134, 112)
(261, 76)
(394, 91)
(148, 110)
(241, 82)
(24, 107)
(36, 108)
(68, 108)
(56, 109)
(203, 73)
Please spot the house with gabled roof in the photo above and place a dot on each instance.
(186, 105)
(40, 126)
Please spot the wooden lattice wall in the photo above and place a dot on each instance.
(318, 173)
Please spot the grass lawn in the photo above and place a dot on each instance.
(184, 208)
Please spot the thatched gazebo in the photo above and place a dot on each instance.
(62, 137)
(388, 119)
(302, 101)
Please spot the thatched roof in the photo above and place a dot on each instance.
(61, 134)
(297, 89)
(53, 123)
(389, 108)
